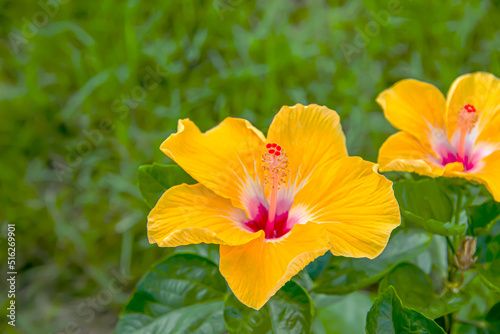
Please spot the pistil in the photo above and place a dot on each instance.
(467, 118)
(274, 162)
(272, 206)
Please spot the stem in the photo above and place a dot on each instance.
(447, 324)
(458, 209)
(456, 220)
(450, 319)
(450, 244)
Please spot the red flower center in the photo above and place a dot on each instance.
(260, 222)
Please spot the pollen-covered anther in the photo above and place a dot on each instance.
(274, 163)
(467, 117)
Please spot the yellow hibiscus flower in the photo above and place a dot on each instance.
(273, 204)
(454, 137)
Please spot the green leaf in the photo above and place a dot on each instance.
(483, 217)
(493, 315)
(345, 275)
(303, 279)
(474, 312)
(493, 249)
(182, 294)
(289, 311)
(153, 180)
(315, 268)
(343, 314)
(448, 302)
(490, 270)
(389, 316)
(416, 290)
(435, 257)
(425, 205)
(413, 286)
(433, 226)
(424, 198)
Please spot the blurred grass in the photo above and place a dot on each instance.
(72, 193)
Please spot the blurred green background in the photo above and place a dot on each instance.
(89, 90)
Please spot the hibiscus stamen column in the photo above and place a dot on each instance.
(467, 118)
(274, 162)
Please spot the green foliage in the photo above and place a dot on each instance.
(345, 275)
(490, 270)
(483, 217)
(426, 198)
(289, 311)
(424, 204)
(432, 204)
(416, 290)
(493, 318)
(413, 286)
(153, 180)
(473, 318)
(389, 316)
(182, 294)
(185, 293)
(342, 314)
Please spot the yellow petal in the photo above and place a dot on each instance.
(412, 105)
(454, 169)
(402, 152)
(482, 90)
(354, 203)
(218, 157)
(489, 175)
(310, 135)
(257, 270)
(192, 214)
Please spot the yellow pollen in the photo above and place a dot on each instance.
(467, 117)
(275, 169)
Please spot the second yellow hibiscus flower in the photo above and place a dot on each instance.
(454, 137)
